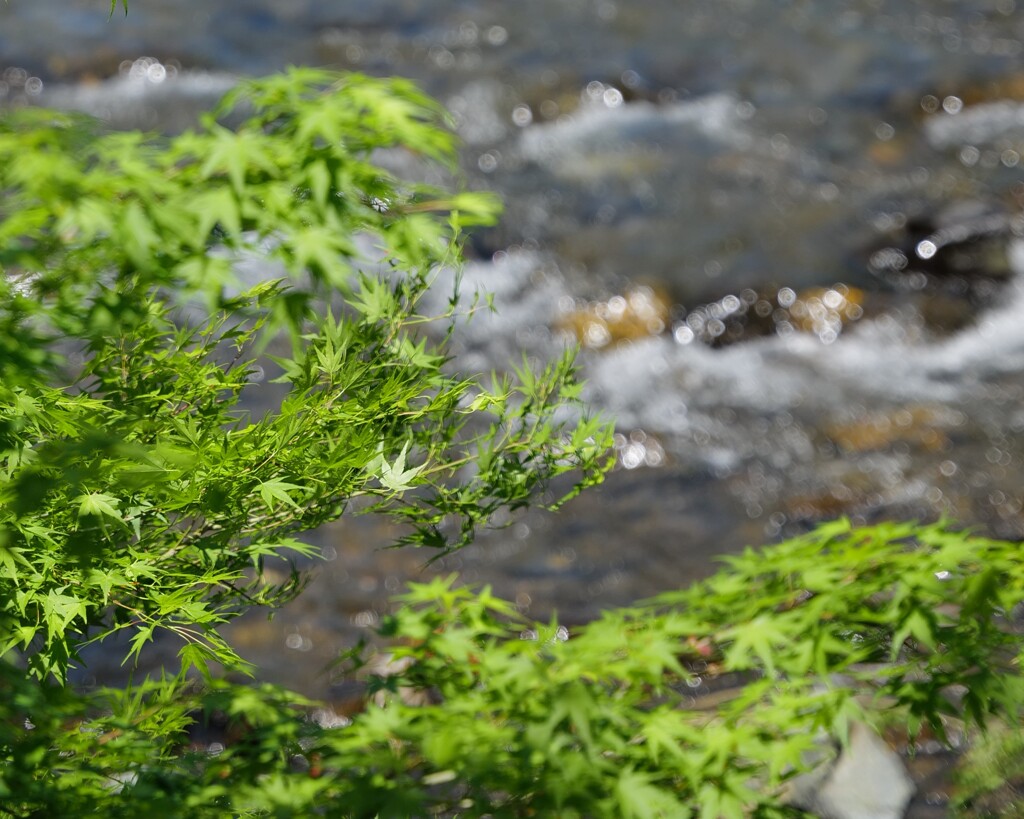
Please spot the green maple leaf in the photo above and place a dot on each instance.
(395, 476)
(98, 504)
(756, 639)
(276, 490)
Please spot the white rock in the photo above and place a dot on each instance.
(867, 781)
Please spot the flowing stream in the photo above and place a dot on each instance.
(788, 234)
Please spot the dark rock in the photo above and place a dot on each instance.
(960, 251)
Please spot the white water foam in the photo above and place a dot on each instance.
(981, 124)
(597, 127)
(671, 389)
(144, 99)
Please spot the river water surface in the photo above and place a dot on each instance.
(788, 233)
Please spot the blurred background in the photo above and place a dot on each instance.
(787, 234)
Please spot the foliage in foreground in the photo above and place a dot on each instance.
(891, 622)
(136, 493)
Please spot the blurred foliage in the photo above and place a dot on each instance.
(477, 712)
(990, 782)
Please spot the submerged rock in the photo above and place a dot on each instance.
(918, 425)
(638, 313)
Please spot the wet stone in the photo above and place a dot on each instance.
(960, 251)
(644, 312)
(824, 312)
(638, 313)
